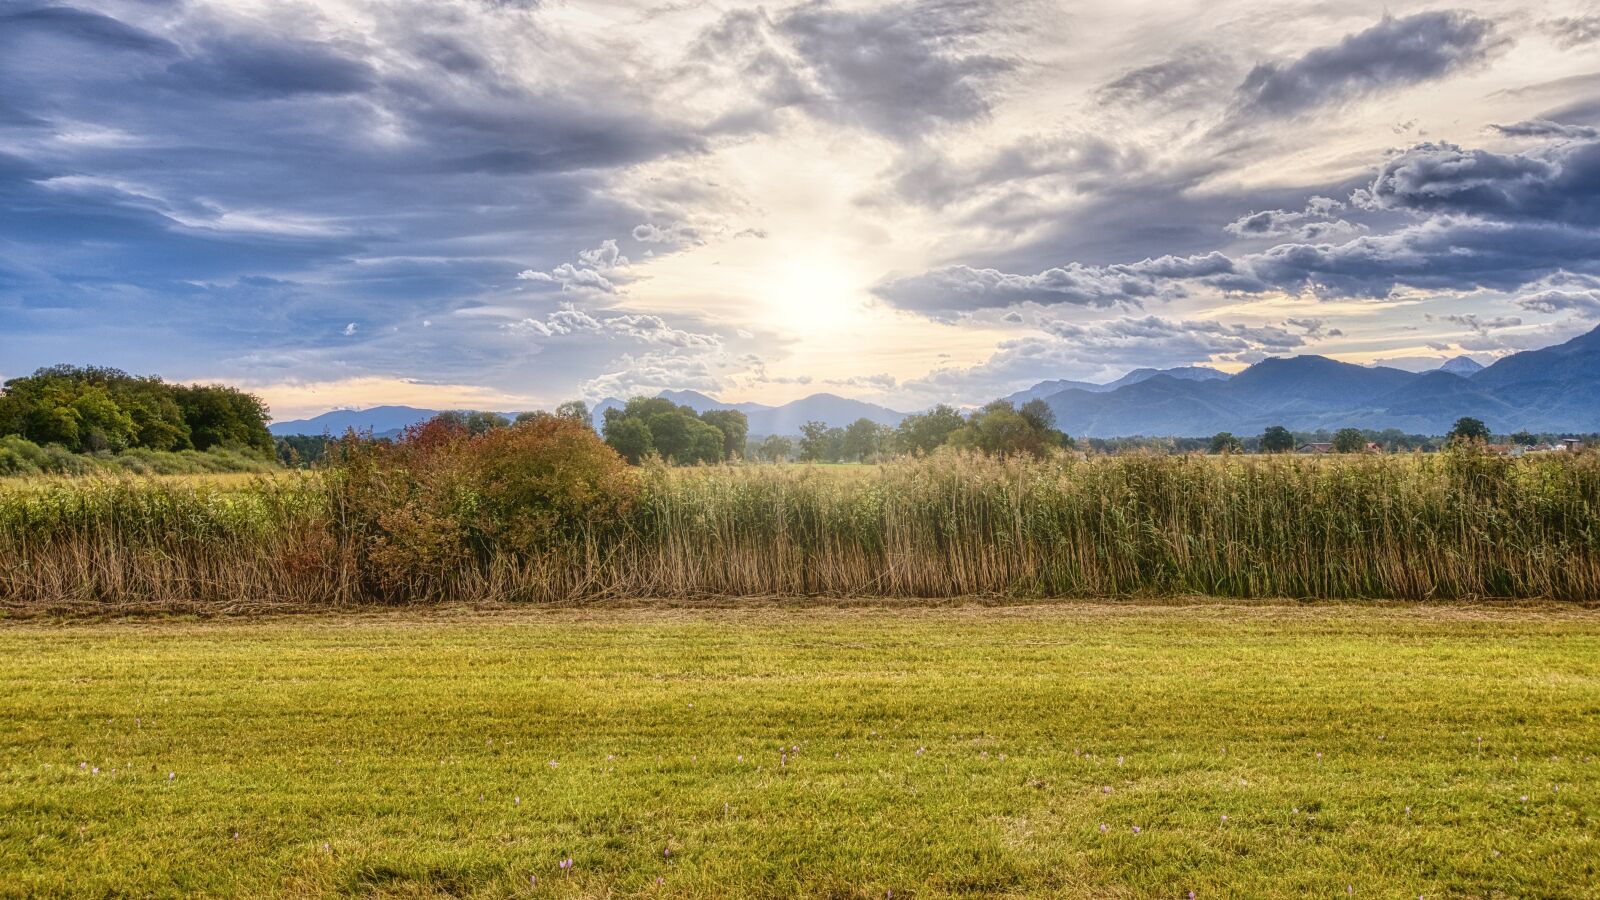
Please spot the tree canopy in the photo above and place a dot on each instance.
(1277, 439)
(678, 434)
(88, 409)
(1469, 429)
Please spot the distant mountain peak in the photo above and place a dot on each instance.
(1464, 366)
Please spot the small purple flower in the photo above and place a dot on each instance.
(1135, 829)
(1102, 828)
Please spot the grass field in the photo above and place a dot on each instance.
(1061, 750)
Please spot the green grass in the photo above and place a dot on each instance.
(382, 753)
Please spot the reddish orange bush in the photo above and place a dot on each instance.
(425, 509)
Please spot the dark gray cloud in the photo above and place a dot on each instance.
(244, 66)
(1574, 31)
(1557, 182)
(246, 191)
(1194, 72)
(958, 289)
(1393, 53)
(1544, 128)
(35, 22)
(899, 69)
(1480, 325)
(1093, 164)
(1477, 219)
(1319, 221)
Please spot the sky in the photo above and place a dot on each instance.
(502, 204)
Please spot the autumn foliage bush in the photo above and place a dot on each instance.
(419, 512)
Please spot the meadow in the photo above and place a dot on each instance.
(1447, 526)
(782, 750)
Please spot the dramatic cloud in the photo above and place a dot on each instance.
(898, 69)
(1393, 53)
(1544, 128)
(961, 288)
(1574, 31)
(1199, 338)
(1555, 183)
(1583, 303)
(541, 200)
(1317, 222)
(644, 329)
(1194, 72)
(1479, 324)
(1483, 220)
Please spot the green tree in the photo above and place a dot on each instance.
(776, 448)
(676, 432)
(484, 422)
(1349, 440)
(1225, 442)
(860, 441)
(576, 410)
(630, 437)
(733, 424)
(1277, 439)
(1525, 439)
(1000, 429)
(926, 432)
(814, 441)
(221, 416)
(1468, 429)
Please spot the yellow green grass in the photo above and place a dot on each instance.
(1397, 751)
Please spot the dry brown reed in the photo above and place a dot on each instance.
(1457, 525)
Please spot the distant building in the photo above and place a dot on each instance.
(1315, 448)
(1570, 444)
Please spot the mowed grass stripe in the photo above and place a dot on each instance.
(349, 753)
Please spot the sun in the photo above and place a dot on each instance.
(815, 293)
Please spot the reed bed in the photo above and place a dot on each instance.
(1457, 525)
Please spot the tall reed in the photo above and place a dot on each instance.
(1444, 526)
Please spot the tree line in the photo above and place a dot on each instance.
(92, 409)
(998, 429)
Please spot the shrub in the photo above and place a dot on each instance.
(440, 502)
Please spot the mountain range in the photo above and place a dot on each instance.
(1548, 390)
